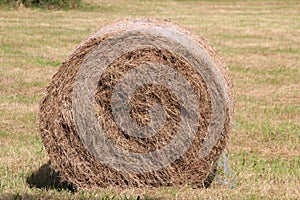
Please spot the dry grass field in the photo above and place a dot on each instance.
(260, 42)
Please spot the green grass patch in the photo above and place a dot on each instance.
(256, 163)
(4, 134)
(43, 62)
(20, 99)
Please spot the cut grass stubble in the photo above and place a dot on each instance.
(259, 40)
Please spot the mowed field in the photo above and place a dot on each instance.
(260, 42)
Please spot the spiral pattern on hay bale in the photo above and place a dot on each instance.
(140, 102)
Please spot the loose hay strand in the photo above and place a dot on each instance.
(80, 100)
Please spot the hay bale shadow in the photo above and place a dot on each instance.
(47, 178)
(210, 177)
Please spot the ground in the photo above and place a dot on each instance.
(260, 42)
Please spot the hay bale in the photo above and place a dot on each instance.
(140, 102)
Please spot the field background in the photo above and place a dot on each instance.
(260, 42)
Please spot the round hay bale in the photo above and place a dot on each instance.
(139, 102)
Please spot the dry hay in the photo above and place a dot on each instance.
(139, 103)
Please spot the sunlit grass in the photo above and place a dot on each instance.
(259, 41)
